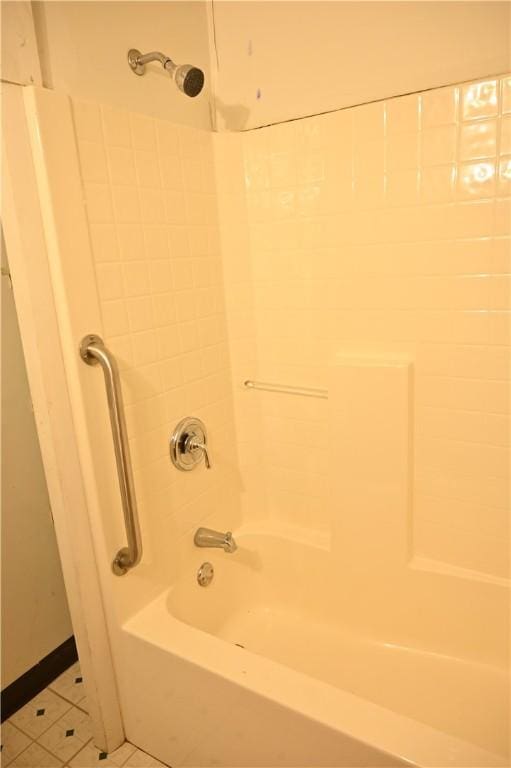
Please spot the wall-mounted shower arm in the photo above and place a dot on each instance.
(146, 58)
(189, 79)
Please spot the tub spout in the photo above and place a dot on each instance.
(205, 537)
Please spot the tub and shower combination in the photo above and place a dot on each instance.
(339, 630)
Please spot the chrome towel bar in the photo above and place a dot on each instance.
(93, 351)
(286, 389)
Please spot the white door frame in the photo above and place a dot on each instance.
(27, 243)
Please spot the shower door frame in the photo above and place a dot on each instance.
(31, 229)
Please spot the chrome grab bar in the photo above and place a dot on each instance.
(93, 351)
(286, 389)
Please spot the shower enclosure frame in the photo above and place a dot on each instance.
(34, 230)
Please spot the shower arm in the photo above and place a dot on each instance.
(137, 61)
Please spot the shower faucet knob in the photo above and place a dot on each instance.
(192, 444)
(188, 444)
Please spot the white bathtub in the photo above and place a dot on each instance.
(256, 670)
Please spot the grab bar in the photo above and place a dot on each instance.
(286, 389)
(93, 351)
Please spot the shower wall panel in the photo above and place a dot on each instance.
(384, 231)
(149, 190)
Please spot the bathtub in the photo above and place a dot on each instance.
(256, 670)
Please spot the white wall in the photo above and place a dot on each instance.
(283, 60)
(267, 62)
(35, 617)
(83, 49)
(20, 62)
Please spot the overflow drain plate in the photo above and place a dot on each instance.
(205, 574)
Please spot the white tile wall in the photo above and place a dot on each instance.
(151, 204)
(384, 229)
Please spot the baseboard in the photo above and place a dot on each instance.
(36, 679)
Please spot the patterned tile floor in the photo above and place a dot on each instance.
(53, 731)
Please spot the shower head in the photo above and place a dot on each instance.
(189, 79)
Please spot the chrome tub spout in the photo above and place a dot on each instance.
(206, 537)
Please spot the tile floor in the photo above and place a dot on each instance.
(53, 731)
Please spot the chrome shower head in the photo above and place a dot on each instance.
(189, 79)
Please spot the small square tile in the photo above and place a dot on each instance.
(140, 313)
(170, 166)
(402, 187)
(121, 166)
(438, 145)
(160, 276)
(36, 756)
(152, 210)
(148, 170)
(476, 180)
(103, 241)
(98, 202)
(479, 100)
(156, 241)
(402, 151)
(126, 205)
(131, 241)
(68, 735)
(93, 162)
(439, 107)
(109, 279)
(67, 687)
(136, 278)
(92, 757)
(478, 139)
(40, 713)
(115, 318)
(14, 742)
(437, 183)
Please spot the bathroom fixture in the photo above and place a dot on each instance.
(188, 444)
(205, 574)
(93, 351)
(189, 79)
(286, 389)
(206, 537)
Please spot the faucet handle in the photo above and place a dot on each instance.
(195, 444)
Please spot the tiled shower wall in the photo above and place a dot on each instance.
(383, 230)
(149, 189)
